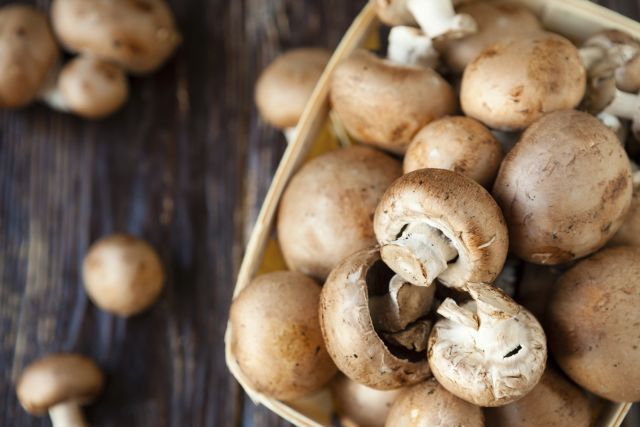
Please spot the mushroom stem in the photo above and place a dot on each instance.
(419, 255)
(624, 105)
(614, 123)
(67, 414)
(437, 18)
(410, 46)
(449, 309)
(590, 55)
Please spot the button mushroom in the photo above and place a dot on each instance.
(361, 406)
(460, 144)
(326, 212)
(488, 352)
(276, 337)
(594, 313)
(629, 233)
(429, 404)
(122, 274)
(564, 189)
(60, 384)
(434, 223)
(514, 82)
(385, 104)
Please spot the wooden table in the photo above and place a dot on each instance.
(185, 165)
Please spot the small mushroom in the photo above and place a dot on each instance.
(349, 332)
(514, 82)
(122, 274)
(554, 402)
(360, 406)
(459, 144)
(594, 316)
(410, 46)
(429, 404)
(564, 189)
(386, 104)
(434, 223)
(622, 49)
(60, 384)
(629, 232)
(138, 35)
(276, 337)
(326, 211)
(488, 352)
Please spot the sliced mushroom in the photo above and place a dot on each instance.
(434, 223)
(594, 316)
(276, 337)
(361, 406)
(629, 232)
(488, 352)
(564, 189)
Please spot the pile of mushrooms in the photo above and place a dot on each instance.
(513, 141)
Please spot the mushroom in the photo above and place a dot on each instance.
(60, 384)
(459, 144)
(385, 104)
(285, 86)
(410, 46)
(514, 82)
(496, 22)
(394, 12)
(594, 317)
(623, 50)
(326, 211)
(276, 337)
(489, 352)
(564, 189)
(429, 404)
(434, 223)
(361, 406)
(554, 402)
(629, 232)
(348, 329)
(138, 35)
(122, 274)
(28, 52)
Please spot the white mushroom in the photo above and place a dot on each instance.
(437, 18)
(410, 46)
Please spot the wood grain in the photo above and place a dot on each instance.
(185, 165)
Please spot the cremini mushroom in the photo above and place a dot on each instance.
(564, 189)
(122, 274)
(326, 211)
(360, 406)
(352, 341)
(489, 352)
(593, 317)
(276, 337)
(434, 223)
(514, 82)
(554, 402)
(385, 104)
(629, 233)
(459, 144)
(429, 404)
(138, 35)
(60, 384)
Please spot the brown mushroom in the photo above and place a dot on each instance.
(514, 82)
(122, 274)
(386, 104)
(594, 316)
(276, 337)
(629, 232)
(360, 406)
(459, 144)
(60, 384)
(564, 189)
(624, 51)
(326, 212)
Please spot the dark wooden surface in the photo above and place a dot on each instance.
(185, 165)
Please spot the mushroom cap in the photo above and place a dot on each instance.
(457, 206)
(122, 274)
(554, 402)
(386, 104)
(326, 211)
(460, 144)
(348, 330)
(564, 189)
(430, 404)
(57, 378)
(394, 12)
(496, 22)
(285, 86)
(92, 88)
(138, 35)
(629, 232)
(359, 405)
(594, 313)
(514, 82)
(28, 51)
(276, 337)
